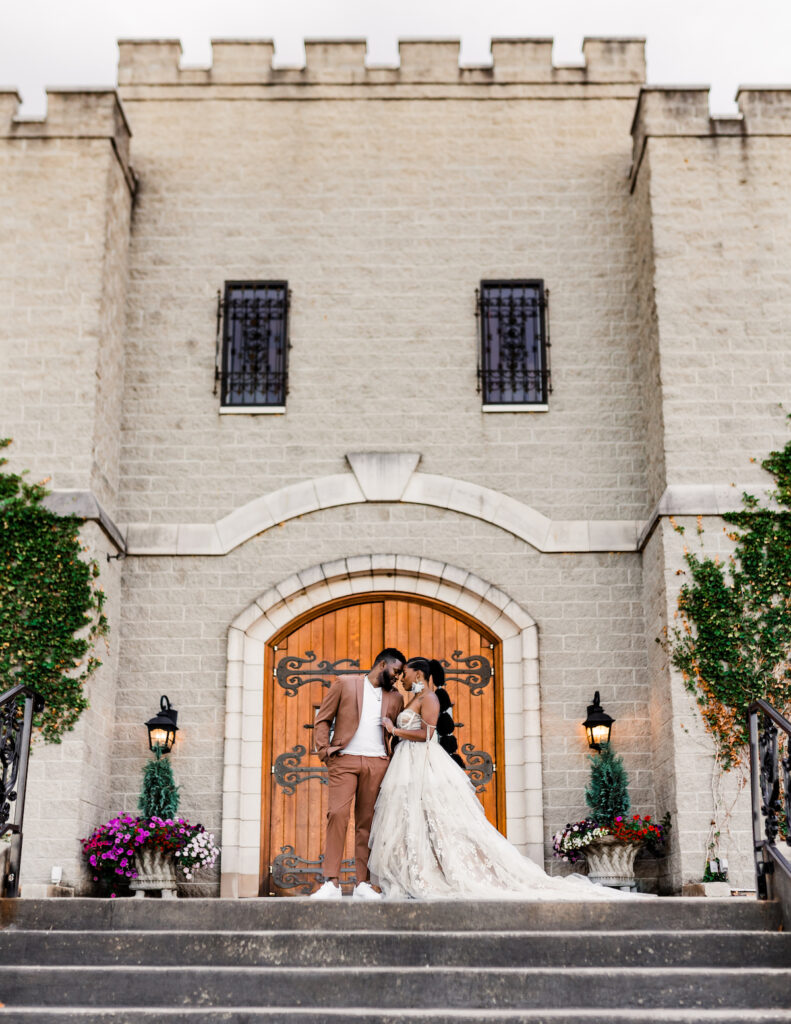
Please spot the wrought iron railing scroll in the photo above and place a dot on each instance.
(17, 707)
(770, 771)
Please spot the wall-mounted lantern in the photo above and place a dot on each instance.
(162, 727)
(597, 725)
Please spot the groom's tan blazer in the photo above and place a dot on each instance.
(344, 703)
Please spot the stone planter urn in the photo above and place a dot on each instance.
(611, 863)
(155, 871)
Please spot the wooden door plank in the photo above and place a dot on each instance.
(266, 771)
(276, 697)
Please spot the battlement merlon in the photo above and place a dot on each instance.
(339, 61)
(669, 110)
(614, 60)
(9, 106)
(766, 110)
(149, 61)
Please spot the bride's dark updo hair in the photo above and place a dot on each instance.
(433, 670)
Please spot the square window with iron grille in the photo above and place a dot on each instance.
(513, 368)
(251, 366)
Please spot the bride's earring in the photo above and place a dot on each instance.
(418, 687)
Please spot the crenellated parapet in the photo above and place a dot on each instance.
(344, 61)
(72, 113)
(674, 110)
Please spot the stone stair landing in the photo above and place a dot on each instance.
(291, 960)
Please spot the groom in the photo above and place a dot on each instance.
(356, 756)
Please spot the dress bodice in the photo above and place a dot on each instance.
(409, 719)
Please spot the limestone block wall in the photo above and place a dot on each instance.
(720, 223)
(65, 207)
(70, 783)
(647, 347)
(711, 195)
(383, 196)
(177, 610)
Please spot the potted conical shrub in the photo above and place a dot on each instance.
(610, 861)
(155, 865)
(610, 839)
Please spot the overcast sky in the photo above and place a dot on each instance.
(719, 42)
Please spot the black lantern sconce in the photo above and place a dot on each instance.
(597, 725)
(162, 727)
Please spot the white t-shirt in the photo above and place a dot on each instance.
(368, 741)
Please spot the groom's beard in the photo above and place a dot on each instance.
(387, 682)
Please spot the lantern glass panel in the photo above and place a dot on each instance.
(600, 734)
(159, 737)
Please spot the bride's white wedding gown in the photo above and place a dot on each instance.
(430, 837)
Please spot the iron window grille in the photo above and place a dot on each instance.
(513, 366)
(251, 358)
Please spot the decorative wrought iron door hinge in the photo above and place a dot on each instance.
(289, 772)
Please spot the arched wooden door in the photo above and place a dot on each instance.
(303, 661)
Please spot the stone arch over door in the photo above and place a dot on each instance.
(311, 588)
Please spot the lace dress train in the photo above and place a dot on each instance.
(430, 837)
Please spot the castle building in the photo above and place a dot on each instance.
(338, 357)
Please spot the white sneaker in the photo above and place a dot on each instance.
(328, 891)
(365, 891)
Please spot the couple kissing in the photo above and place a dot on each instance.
(420, 830)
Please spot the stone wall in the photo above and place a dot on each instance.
(712, 196)
(70, 788)
(67, 203)
(66, 207)
(383, 202)
(384, 196)
(720, 222)
(176, 613)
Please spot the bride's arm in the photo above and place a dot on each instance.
(429, 712)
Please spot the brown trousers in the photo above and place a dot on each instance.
(352, 779)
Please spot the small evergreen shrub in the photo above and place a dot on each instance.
(607, 793)
(159, 797)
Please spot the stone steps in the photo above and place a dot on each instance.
(389, 949)
(254, 1015)
(293, 961)
(395, 987)
(297, 914)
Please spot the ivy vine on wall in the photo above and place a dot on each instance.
(733, 640)
(50, 604)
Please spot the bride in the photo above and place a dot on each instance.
(430, 837)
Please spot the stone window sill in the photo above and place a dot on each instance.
(515, 408)
(252, 410)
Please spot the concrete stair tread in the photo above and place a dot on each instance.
(436, 949)
(392, 988)
(374, 932)
(393, 970)
(372, 1015)
(665, 914)
(677, 961)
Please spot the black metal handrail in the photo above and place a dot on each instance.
(767, 769)
(16, 726)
